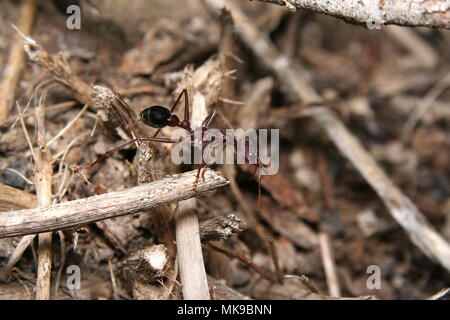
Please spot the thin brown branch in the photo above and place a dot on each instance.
(79, 212)
(117, 115)
(16, 60)
(424, 105)
(25, 131)
(55, 107)
(67, 127)
(243, 259)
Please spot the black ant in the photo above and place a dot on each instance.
(159, 117)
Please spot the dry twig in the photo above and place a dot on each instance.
(189, 250)
(43, 183)
(402, 12)
(189, 253)
(117, 115)
(244, 260)
(16, 60)
(328, 263)
(58, 106)
(79, 212)
(441, 294)
(421, 232)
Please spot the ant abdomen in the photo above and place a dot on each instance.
(156, 116)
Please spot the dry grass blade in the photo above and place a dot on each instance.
(67, 127)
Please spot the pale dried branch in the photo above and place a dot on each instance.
(204, 84)
(117, 115)
(422, 13)
(424, 105)
(421, 232)
(79, 212)
(329, 266)
(401, 208)
(43, 183)
(67, 127)
(60, 69)
(189, 253)
(16, 255)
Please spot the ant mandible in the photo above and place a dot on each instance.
(159, 117)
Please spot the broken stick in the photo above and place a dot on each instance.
(43, 183)
(79, 212)
(401, 208)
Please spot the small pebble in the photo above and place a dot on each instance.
(11, 178)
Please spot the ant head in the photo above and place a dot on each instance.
(158, 117)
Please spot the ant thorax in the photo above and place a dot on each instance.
(203, 141)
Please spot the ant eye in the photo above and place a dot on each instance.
(156, 116)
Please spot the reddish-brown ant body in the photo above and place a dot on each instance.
(159, 117)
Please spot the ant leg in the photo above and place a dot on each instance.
(176, 103)
(163, 140)
(194, 186)
(122, 145)
(258, 167)
(156, 133)
(206, 166)
(258, 205)
(214, 160)
(107, 153)
(202, 171)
